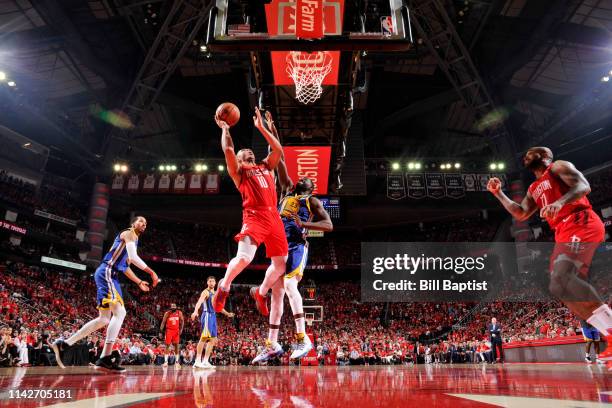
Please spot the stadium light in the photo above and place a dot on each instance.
(411, 166)
(203, 48)
(417, 166)
(204, 167)
(198, 168)
(124, 168)
(11, 83)
(501, 166)
(604, 79)
(443, 167)
(220, 167)
(117, 167)
(493, 166)
(162, 167)
(395, 166)
(172, 167)
(457, 165)
(2, 76)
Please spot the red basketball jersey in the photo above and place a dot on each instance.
(173, 322)
(257, 187)
(548, 189)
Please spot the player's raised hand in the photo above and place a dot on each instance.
(494, 185)
(257, 119)
(269, 120)
(222, 124)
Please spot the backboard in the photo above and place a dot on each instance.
(229, 31)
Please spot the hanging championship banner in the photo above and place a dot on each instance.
(470, 182)
(195, 184)
(435, 185)
(483, 179)
(309, 19)
(212, 184)
(133, 183)
(148, 185)
(164, 184)
(180, 183)
(118, 182)
(416, 185)
(396, 187)
(454, 185)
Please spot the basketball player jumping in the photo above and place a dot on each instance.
(174, 323)
(109, 297)
(299, 211)
(260, 220)
(560, 192)
(208, 322)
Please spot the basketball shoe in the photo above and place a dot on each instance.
(219, 298)
(198, 364)
(271, 350)
(206, 364)
(303, 346)
(260, 301)
(111, 362)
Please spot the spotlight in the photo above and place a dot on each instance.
(203, 48)
(162, 167)
(124, 168)
(11, 83)
(457, 165)
(221, 167)
(411, 166)
(604, 79)
(395, 166)
(501, 166)
(173, 167)
(198, 168)
(204, 167)
(493, 166)
(417, 166)
(2, 76)
(443, 167)
(117, 167)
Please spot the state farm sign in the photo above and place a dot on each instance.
(311, 162)
(309, 19)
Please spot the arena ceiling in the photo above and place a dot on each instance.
(75, 61)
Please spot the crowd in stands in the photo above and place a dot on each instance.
(38, 305)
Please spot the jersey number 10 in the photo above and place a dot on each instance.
(262, 181)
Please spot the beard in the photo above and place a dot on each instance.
(535, 164)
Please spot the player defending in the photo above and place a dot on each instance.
(208, 322)
(299, 211)
(260, 220)
(109, 297)
(174, 323)
(560, 192)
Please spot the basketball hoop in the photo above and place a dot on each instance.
(308, 70)
(309, 322)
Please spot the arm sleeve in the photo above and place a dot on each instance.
(133, 255)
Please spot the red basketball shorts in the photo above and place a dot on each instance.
(577, 237)
(264, 226)
(172, 337)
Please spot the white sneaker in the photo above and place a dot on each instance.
(271, 350)
(600, 361)
(206, 364)
(198, 364)
(301, 348)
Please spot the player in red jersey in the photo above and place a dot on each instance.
(260, 220)
(560, 192)
(173, 322)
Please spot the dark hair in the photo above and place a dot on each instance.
(134, 219)
(211, 277)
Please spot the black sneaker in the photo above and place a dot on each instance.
(588, 360)
(111, 362)
(58, 347)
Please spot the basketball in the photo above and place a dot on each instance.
(229, 113)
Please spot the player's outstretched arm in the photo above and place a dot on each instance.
(227, 314)
(521, 211)
(143, 285)
(129, 237)
(202, 299)
(323, 220)
(227, 144)
(277, 149)
(574, 179)
(285, 181)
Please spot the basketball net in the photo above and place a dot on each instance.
(308, 70)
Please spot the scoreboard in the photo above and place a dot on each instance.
(332, 206)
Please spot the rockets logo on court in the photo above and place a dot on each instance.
(575, 243)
